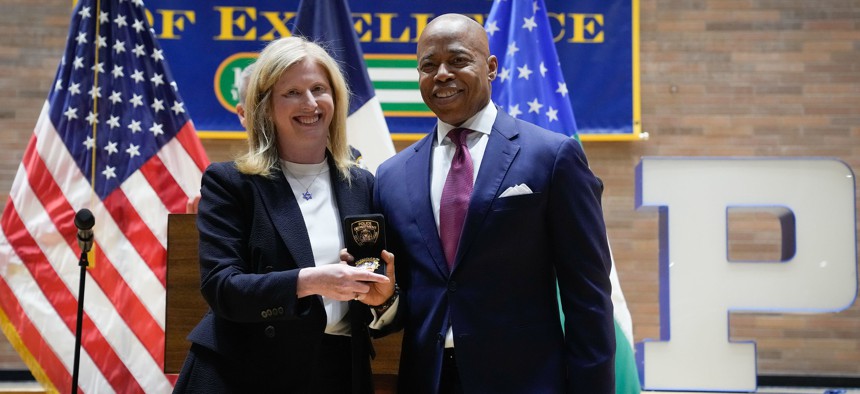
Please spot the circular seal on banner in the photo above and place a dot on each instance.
(227, 78)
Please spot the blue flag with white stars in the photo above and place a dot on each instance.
(529, 85)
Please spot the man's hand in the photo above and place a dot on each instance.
(378, 292)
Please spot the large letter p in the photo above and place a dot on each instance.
(699, 286)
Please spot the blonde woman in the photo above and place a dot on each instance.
(286, 314)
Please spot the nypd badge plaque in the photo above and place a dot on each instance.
(364, 236)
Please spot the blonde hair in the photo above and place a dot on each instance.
(276, 58)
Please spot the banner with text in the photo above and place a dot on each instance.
(209, 43)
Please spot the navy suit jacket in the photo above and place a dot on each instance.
(500, 297)
(253, 241)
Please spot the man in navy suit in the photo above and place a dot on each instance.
(480, 315)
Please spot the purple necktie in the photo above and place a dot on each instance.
(455, 195)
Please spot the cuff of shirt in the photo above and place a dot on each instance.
(386, 318)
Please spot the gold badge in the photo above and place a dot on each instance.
(365, 232)
(369, 263)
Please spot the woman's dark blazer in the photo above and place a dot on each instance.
(253, 241)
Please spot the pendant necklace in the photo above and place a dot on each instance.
(307, 194)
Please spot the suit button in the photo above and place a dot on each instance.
(270, 331)
(268, 268)
(452, 286)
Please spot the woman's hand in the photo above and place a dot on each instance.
(340, 282)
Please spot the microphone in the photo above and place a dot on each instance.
(84, 221)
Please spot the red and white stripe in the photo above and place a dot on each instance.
(123, 329)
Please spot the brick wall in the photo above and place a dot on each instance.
(719, 78)
(740, 78)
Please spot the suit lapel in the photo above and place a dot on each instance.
(343, 198)
(500, 153)
(418, 188)
(286, 216)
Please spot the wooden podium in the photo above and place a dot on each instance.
(185, 305)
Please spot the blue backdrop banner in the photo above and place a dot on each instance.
(208, 44)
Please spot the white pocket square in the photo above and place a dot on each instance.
(516, 190)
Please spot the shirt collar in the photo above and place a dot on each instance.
(481, 122)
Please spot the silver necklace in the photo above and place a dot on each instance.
(307, 195)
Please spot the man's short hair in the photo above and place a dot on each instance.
(242, 83)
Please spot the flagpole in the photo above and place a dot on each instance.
(83, 262)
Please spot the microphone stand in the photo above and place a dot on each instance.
(83, 263)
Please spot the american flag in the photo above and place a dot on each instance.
(529, 85)
(113, 137)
